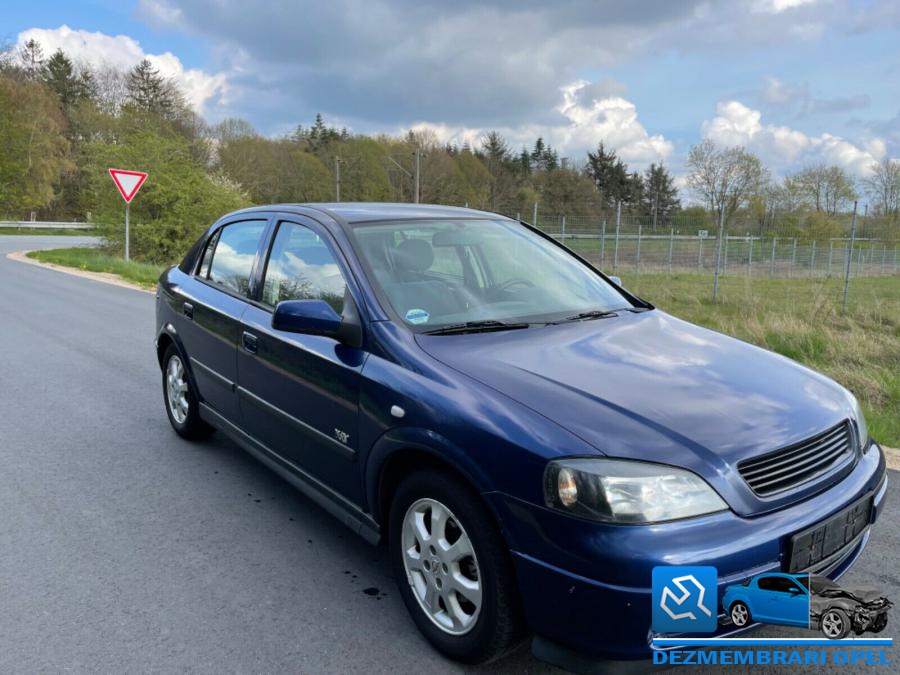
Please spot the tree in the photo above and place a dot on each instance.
(71, 87)
(883, 187)
(826, 188)
(610, 175)
(660, 194)
(31, 60)
(150, 92)
(724, 177)
(496, 157)
(33, 146)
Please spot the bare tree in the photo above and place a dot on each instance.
(31, 59)
(725, 177)
(825, 188)
(111, 88)
(883, 187)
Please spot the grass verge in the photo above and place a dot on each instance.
(94, 260)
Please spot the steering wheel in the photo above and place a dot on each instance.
(516, 281)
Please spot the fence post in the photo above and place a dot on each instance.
(637, 257)
(849, 258)
(671, 242)
(859, 261)
(563, 223)
(618, 223)
(725, 256)
(812, 259)
(772, 267)
(793, 258)
(534, 215)
(700, 254)
(883, 256)
(830, 255)
(718, 253)
(602, 241)
(750, 260)
(895, 257)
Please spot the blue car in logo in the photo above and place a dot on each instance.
(769, 598)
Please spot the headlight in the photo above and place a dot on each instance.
(623, 491)
(862, 429)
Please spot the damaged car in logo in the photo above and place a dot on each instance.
(836, 611)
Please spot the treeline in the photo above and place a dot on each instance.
(62, 124)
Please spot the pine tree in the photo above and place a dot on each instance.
(70, 87)
(660, 194)
(151, 92)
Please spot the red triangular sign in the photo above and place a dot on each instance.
(128, 182)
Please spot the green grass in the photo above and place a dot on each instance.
(96, 260)
(43, 232)
(801, 319)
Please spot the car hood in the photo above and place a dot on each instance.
(652, 387)
(863, 594)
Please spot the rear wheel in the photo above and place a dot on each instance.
(453, 569)
(181, 401)
(835, 624)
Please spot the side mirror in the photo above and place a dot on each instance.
(616, 280)
(795, 591)
(317, 317)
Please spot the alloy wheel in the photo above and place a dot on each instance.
(441, 566)
(832, 625)
(176, 389)
(739, 615)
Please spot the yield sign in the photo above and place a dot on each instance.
(128, 182)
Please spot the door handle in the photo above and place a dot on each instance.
(250, 342)
(188, 310)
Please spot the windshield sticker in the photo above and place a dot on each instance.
(417, 316)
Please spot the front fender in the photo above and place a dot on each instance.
(425, 440)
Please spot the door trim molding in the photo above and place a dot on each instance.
(299, 425)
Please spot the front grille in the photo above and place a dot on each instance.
(797, 463)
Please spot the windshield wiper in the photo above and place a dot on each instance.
(582, 316)
(475, 327)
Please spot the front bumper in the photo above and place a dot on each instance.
(586, 586)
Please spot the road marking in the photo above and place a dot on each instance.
(103, 277)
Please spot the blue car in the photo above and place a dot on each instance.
(527, 438)
(781, 599)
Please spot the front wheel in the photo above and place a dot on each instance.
(181, 401)
(740, 614)
(453, 569)
(835, 624)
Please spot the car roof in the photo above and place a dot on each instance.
(357, 212)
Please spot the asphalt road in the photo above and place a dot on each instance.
(125, 549)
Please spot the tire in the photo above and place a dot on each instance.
(835, 624)
(880, 623)
(474, 627)
(184, 414)
(740, 614)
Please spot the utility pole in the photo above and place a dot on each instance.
(337, 179)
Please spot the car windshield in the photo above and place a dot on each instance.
(439, 273)
(821, 584)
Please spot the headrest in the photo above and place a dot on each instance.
(414, 255)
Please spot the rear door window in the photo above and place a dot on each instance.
(234, 255)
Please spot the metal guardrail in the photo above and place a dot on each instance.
(45, 225)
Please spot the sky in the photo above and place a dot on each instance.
(798, 82)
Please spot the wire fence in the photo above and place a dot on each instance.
(767, 246)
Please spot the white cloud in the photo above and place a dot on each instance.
(779, 6)
(783, 148)
(587, 116)
(124, 52)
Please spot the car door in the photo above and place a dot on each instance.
(212, 303)
(793, 603)
(299, 394)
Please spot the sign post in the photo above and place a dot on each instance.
(128, 183)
